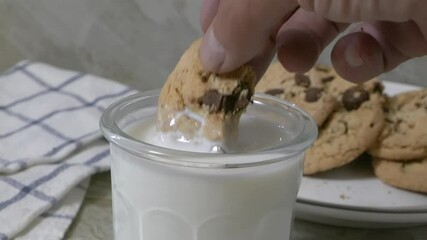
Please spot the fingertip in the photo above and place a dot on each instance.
(358, 57)
(298, 50)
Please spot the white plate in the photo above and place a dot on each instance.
(353, 196)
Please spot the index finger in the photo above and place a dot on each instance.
(240, 30)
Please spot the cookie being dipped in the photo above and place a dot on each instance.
(195, 102)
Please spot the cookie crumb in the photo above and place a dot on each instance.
(204, 76)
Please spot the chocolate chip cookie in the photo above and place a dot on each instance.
(351, 129)
(193, 101)
(307, 90)
(410, 175)
(405, 133)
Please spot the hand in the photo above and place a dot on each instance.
(241, 31)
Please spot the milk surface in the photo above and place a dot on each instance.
(155, 201)
(255, 134)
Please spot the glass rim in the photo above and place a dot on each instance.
(115, 135)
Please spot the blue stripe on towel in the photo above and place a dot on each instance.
(76, 141)
(44, 84)
(34, 192)
(98, 157)
(55, 172)
(53, 113)
(25, 191)
(44, 126)
(18, 67)
(56, 215)
(31, 97)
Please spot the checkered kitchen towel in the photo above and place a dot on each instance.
(50, 144)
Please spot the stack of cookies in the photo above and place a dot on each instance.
(354, 119)
(400, 154)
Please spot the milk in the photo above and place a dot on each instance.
(255, 134)
(162, 201)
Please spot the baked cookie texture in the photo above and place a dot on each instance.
(405, 133)
(193, 101)
(409, 175)
(351, 129)
(307, 90)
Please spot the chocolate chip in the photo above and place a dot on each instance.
(417, 105)
(234, 102)
(354, 97)
(328, 79)
(212, 99)
(378, 87)
(313, 94)
(274, 91)
(302, 80)
(229, 103)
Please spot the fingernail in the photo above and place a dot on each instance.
(212, 53)
(352, 56)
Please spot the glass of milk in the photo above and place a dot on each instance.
(166, 190)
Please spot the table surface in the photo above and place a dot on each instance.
(94, 221)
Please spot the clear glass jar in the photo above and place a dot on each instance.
(165, 194)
